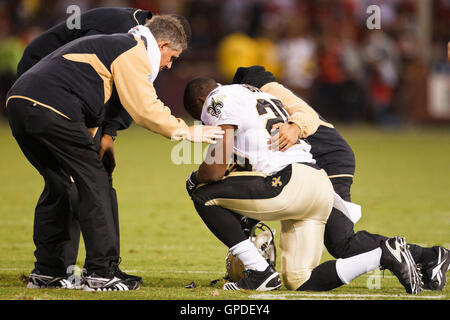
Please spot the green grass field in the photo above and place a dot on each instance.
(402, 183)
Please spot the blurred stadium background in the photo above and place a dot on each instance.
(322, 49)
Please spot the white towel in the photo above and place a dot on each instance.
(153, 51)
(351, 210)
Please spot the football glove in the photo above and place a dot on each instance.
(256, 76)
(192, 183)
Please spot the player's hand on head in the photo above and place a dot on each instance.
(284, 136)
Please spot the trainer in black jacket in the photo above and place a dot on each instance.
(50, 109)
(93, 22)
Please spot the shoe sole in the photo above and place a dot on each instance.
(231, 286)
(89, 289)
(68, 285)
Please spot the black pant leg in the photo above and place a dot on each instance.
(59, 197)
(72, 146)
(96, 216)
(324, 277)
(53, 231)
(340, 238)
(115, 207)
(115, 211)
(223, 223)
(71, 247)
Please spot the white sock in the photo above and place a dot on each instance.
(352, 267)
(249, 255)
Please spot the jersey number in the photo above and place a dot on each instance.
(280, 115)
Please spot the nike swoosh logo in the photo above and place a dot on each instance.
(396, 253)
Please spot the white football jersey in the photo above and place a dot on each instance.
(253, 113)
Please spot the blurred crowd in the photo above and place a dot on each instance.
(323, 50)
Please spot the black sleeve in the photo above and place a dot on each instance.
(26, 62)
(256, 76)
(93, 32)
(120, 122)
(43, 45)
(94, 21)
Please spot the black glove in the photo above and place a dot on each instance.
(256, 76)
(192, 183)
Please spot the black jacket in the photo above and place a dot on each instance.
(95, 21)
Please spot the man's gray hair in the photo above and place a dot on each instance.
(168, 28)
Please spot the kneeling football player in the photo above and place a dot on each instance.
(284, 186)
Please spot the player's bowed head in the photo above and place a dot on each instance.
(195, 95)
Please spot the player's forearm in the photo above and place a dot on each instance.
(219, 157)
(300, 112)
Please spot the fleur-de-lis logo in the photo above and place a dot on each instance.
(214, 108)
(276, 182)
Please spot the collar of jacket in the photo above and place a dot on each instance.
(153, 51)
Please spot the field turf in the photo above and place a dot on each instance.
(402, 182)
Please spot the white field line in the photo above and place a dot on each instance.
(349, 296)
(192, 272)
(177, 271)
(223, 272)
(144, 271)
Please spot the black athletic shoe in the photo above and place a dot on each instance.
(38, 280)
(434, 277)
(123, 275)
(95, 282)
(396, 257)
(265, 280)
(114, 280)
